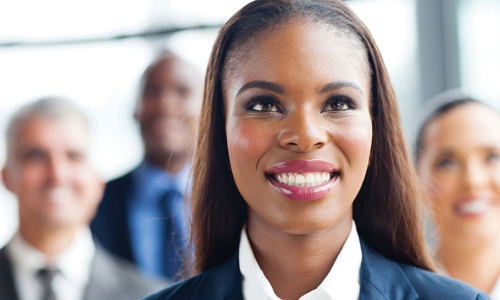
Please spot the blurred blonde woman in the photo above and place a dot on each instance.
(459, 163)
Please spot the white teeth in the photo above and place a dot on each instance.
(284, 178)
(317, 177)
(478, 206)
(303, 179)
(300, 180)
(309, 179)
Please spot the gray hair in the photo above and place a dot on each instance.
(53, 108)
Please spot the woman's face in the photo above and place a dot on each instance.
(460, 167)
(298, 126)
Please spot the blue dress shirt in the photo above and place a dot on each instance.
(146, 220)
(134, 223)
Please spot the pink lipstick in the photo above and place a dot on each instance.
(303, 180)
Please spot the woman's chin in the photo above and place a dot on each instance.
(311, 224)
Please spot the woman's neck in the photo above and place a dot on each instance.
(478, 265)
(296, 264)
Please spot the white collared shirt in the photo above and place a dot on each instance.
(73, 264)
(342, 282)
(495, 292)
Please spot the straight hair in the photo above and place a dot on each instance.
(386, 210)
(436, 107)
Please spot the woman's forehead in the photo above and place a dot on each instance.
(302, 47)
(463, 126)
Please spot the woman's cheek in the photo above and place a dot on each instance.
(354, 139)
(443, 191)
(495, 177)
(249, 140)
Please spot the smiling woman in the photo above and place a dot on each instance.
(303, 186)
(315, 119)
(459, 163)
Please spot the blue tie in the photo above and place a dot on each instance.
(174, 237)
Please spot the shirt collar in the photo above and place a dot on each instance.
(24, 256)
(495, 291)
(255, 283)
(342, 282)
(74, 262)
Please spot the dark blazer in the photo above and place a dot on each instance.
(110, 225)
(380, 279)
(110, 278)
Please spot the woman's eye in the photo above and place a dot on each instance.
(446, 163)
(263, 104)
(338, 104)
(493, 157)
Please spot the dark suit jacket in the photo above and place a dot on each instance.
(110, 279)
(110, 225)
(380, 279)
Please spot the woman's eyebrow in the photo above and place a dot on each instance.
(262, 84)
(336, 85)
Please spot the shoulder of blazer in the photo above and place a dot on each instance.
(7, 285)
(115, 194)
(110, 224)
(121, 185)
(382, 278)
(114, 278)
(221, 282)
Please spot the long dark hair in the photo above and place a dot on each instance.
(386, 208)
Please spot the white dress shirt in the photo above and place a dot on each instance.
(495, 292)
(342, 282)
(73, 264)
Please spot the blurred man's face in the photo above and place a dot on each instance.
(168, 110)
(48, 171)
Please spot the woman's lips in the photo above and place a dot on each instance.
(473, 206)
(303, 180)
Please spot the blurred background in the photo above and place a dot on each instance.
(94, 52)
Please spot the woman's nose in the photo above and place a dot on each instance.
(303, 131)
(475, 175)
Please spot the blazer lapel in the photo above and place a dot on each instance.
(7, 286)
(110, 225)
(128, 189)
(103, 283)
(381, 278)
(222, 282)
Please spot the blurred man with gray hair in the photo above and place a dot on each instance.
(53, 255)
